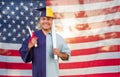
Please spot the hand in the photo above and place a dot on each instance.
(63, 56)
(56, 52)
(32, 42)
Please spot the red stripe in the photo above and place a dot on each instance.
(71, 2)
(103, 49)
(89, 26)
(92, 38)
(15, 65)
(6, 52)
(95, 25)
(89, 13)
(78, 52)
(87, 64)
(114, 74)
(14, 76)
(105, 62)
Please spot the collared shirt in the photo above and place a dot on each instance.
(42, 57)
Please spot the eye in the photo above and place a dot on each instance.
(43, 18)
(49, 18)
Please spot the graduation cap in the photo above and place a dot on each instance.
(46, 11)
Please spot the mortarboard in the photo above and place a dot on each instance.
(46, 12)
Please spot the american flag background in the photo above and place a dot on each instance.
(90, 27)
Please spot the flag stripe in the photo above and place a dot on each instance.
(15, 65)
(86, 64)
(13, 76)
(95, 63)
(15, 72)
(96, 31)
(82, 58)
(87, 13)
(114, 74)
(73, 2)
(114, 22)
(91, 6)
(99, 18)
(92, 70)
(98, 56)
(78, 52)
(103, 49)
(84, 39)
(115, 41)
(6, 52)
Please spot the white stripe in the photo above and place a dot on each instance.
(92, 70)
(92, 19)
(91, 32)
(85, 7)
(107, 42)
(81, 71)
(98, 56)
(11, 72)
(14, 59)
(9, 46)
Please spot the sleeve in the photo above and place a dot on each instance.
(25, 54)
(64, 48)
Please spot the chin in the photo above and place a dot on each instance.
(47, 28)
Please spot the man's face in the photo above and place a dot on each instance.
(46, 22)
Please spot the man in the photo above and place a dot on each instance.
(42, 56)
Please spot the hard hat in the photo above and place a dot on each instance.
(46, 12)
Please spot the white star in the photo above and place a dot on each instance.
(23, 39)
(18, 26)
(13, 21)
(21, 13)
(3, 3)
(31, 4)
(40, 4)
(14, 30)
(36, 18)
(3, 12)
(17, 17)
(21, 4)
(14, 39)
(4, 30)
(8, 17)
(18, 35)
(0, 25)
(23, 31)
(4, 21)
(12, 3)
(12, 12)
(16, 8)
(4, 38)
(0, 33)
(26, 8)
(9, 34)
(8, 8)
(27, 35)
(9, 25)
(31, 13)
(22, 22)
(31, 22)
(26, 18)
(0, 16)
